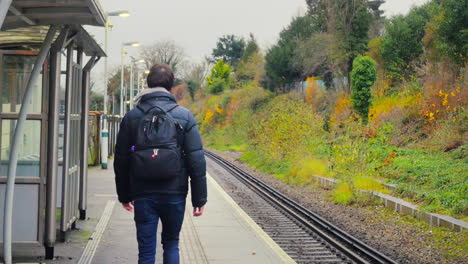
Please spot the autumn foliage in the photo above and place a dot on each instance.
(411, 92)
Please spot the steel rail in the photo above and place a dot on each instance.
(349, 245)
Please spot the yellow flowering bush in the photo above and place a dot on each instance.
(383, 106)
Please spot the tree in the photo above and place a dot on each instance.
(349, 22)
(251, 66)
(196, 77)
(229, 48)
(402, 45)
(363, 76)
(251, 69)
(251, 48)
(376, 27)
(278, 66)
(358, 36)
(220, 77)
(113, 87)
(453, 30)
(317, 10)
(95, 101)
(312, 57)
(164, 51)
(278, 60)
(335, 33)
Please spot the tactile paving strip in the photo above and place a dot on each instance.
(191, 249)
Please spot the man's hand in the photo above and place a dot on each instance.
(198, 211)
(128, 206)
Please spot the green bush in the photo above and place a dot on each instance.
(220, 77)
(363, 76)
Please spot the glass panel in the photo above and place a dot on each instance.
(61, 110)
(15, 75)
(25, 212)
(29, 153)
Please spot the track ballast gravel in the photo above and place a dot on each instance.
(383, 230)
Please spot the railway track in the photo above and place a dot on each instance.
(304, 235)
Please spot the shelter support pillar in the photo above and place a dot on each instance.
(84, 137)
(66, 143)
(4, 6)
(52, 144)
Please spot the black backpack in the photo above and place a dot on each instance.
(157, 154)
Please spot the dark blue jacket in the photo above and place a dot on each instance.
(130, 188)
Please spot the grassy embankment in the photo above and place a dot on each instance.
(291, 137)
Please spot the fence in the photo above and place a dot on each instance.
(95, 129)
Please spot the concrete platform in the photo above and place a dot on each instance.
(224, 234)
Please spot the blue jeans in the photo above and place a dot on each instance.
(148, 210)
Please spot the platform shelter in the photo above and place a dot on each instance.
(45, 50)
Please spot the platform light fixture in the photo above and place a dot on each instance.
(119, 13)
(124, 52)
(131, 44)
(131, 86)
(105, 133)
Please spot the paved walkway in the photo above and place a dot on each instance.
(224, 234)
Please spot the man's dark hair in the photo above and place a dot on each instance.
(161, 75)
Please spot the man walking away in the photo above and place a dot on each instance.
(158, 148)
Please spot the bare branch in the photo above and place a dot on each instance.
(164, 51)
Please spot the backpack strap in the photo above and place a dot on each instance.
(179, 127)
(145, 107)
(170, 109)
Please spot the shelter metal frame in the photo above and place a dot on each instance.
(73, 203)
(29, 13)
(41, 117)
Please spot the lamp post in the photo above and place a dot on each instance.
(127, 44)
(105, 132)
(140, 82)
(132, 90)
(143, 80)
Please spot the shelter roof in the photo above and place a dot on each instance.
(24, 13)
(34, 36)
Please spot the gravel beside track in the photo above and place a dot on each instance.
(383, 230)
(297, 241)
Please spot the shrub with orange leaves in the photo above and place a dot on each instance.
(218, 109)
(208, 116)
(388, 161)
(342, 110)
(180, 91)
(311, 90)
(369, 132)
(444, 100)
(314, 94)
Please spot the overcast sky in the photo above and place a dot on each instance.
(196, 25)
